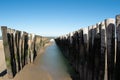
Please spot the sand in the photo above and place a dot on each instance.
(29, 72)
(2, 57)
(33, 71)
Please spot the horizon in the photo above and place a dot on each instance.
(55, 17)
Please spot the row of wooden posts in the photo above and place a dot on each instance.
(94, 52)
(20, 48)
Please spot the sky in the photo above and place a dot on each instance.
(55, 17)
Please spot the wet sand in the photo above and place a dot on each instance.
(33, 71)
(42, 70)
(38, 70)
(29, 72)
(55, 63)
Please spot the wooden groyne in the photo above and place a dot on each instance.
(94, 52)
(20, 48)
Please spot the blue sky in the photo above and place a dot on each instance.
(55, 17)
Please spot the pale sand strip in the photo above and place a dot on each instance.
(2, 57)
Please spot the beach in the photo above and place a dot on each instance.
(28, 70)
(32, 71)
(38, 69)
(45, 67)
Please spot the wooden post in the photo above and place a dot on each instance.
(32, 48)
(96, 52)
(22, 49)
(29, 48)
(93, 51)
(117, 68)
(13, 50)
(76, 51)
(7, 51)
(25, 48)
(71, 47)
(17, 43)
(81, 54)
(102, 52)
(110, 34)
(85, 38)
(90, 53)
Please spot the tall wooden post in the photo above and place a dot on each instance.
(85, 38)
(102, 51)
(7, 51)
(110, 34)
(90, 53)
(22, 49)
(81, 53)
(25, 48)
(117, 68)
(32, 47)
(13, 51)
(17, 43)
(96, 52)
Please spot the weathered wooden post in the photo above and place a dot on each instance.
(110, 34)
(7, 51)
(117, 67)
(102, 51)
(90, 53)
(96, 52)
(39, 43)
(66, 45)
(25, 48)
(93, 50)
(32, 47)
(29, 47)
(81, 54)
(71, 47)
(85, 38)
(17, 44)
(88, 36)
(91, 57)
(22, 49)
(10, 36)
(76, 50)
(14, 49)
